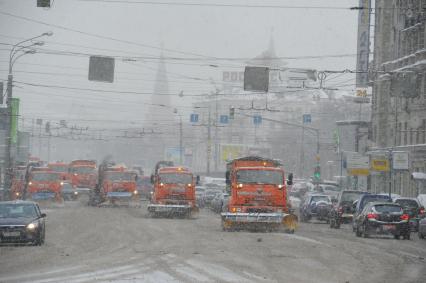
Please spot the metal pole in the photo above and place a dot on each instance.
(8, 160)
(302, 153)
(180, 141)
(390, 172)
(48, 147)
(216, 135)
(209, 142)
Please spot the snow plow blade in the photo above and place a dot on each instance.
(169, 208)
(272, 220)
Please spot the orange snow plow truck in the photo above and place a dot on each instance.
(258, 196)
(83, 174)
(119, 185)
(174, 191)
(44, 185)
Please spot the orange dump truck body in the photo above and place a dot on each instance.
(258, 192)
(83, 173)
(174, 191)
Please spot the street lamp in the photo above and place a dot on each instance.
(16, 52)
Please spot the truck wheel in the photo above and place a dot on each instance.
(421, 236)
(337, 224)
(331, 223)
(407, 236)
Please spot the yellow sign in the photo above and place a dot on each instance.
(381, 165)
(361, 92)
(358, 172)
(229, 152)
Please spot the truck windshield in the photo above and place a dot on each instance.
(59, 168)
(82, 170)
(175, 178)
(120, 176)
(260, 177)
(45, 177)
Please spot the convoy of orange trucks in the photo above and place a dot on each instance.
(18, 183)
(61, 168)
(258, 196)
(174, 191)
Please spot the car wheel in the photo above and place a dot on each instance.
(358, 233)
(396, 237)
(364, 231)
(337, 224)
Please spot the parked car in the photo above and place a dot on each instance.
(422, 228)
(315, 206)
(21, 222)
(218, 202)
(68, 192)
(382, 218)
(343, 209)
(363, 201)
(413, 208)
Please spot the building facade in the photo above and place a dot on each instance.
(398, 79)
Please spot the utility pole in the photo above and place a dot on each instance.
(302, 153)
(209, 142)
(180, 141)
(215, 135)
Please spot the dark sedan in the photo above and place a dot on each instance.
(413, 208)
(383, 218)
(21, 222)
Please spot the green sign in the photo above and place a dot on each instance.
(14, 120)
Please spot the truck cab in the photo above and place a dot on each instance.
(83, 174)
(44, 185)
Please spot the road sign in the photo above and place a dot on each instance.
(224, 119)
(400, 160)
(381, 165)
(193, 118)
(307, 118)
(257, 120)
(101, 69)
(256, 79)
(357, 164)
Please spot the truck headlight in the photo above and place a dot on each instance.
(240, 186)
(32, 225)
(135, 192)
(30, 183)
(76, 193)
(17, 194)
(62, 183)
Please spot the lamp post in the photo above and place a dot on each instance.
(17, 51)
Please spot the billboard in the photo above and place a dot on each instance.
(357, 164)
(363, 45)
(231, 151)
(400, 160)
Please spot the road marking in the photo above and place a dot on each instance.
(32, 275)
(302, 238)
(191, 273)
(217, 271)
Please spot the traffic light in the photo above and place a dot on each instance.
(232, 112)
(317, 173)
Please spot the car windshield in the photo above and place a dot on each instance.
(259, 177)
(175, 178)
(373, 198)
(67, 186)
(82, 170)
(350, 197)
(17, 210)
(384, 208)
(120, 176)
(40, 176)
(407, 203)
(59, 168)
(320, 198)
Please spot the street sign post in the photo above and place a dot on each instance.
(400, 160)
(224, 119)
(193, 118)
(307, 119)
(257, 120)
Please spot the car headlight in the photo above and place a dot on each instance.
(76, 193)
(32, 225)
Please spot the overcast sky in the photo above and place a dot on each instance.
(225, 32)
